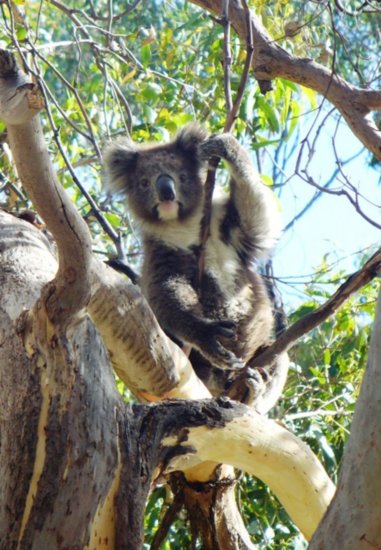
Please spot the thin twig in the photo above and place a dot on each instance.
(227, 55)
(165, 524)
(232, 115)
(229, 123)
(319, 193)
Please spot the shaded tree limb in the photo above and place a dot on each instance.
(204, 503)
(165, 523)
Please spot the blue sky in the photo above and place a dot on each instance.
(332, 224)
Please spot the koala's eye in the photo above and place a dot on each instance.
(144, 183)
(183, 177)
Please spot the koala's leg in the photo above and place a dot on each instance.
(260, 387)
(257, 215)
(177, 308)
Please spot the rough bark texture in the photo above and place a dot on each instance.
(353, 520)
(213, 513)
(78, 446)
(144, 435)
(58, 441)
(20, 396)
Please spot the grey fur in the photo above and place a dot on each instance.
(230, 316)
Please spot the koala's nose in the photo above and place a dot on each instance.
(166, 188)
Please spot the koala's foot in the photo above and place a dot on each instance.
(248, 386)
(212, 349)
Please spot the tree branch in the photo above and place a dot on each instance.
(288, 338)
(247, 442)
(271, 61)
(148, 362)
(232, 111)
(20, 102)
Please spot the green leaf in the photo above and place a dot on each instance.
(264, 143)
(21, 32)
(153, 91)
(146, 54)
(113, 219)
(270, 114)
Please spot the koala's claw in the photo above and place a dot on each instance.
(225, 328)
(250, 387)
(214, 146)
(212, 349)
(226, 360)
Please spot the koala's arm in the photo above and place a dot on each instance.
(178, 310)
(254, 223)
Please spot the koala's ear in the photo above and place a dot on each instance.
(119, 160)
(189, 137)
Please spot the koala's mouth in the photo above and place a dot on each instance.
(167, 210)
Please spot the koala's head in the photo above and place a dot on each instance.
(163, 182)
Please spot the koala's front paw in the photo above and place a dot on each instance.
(216, 146)
(213, 350)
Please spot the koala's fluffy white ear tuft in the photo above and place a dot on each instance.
(119, 158)
(189, 137)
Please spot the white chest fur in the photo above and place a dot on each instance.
(221, 259)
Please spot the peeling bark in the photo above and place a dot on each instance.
(62, 462)
(213, 513)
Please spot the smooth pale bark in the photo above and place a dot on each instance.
(250, 442)
(69, 291)
(353, 520)
(267, 450)
(150, 364)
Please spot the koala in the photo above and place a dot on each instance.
(225, 316)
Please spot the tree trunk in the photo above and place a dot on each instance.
(353, 520)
